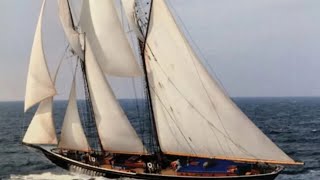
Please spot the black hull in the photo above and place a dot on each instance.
(75, 166)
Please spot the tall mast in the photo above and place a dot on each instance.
(85, 79)
(88, 96)
(149, 99)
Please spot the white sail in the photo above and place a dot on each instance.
(67, 24)
(193, 114)
(39, 83)
(100, 22)
(115, 131)
(129, 8)
(72, 133)
(42, 129)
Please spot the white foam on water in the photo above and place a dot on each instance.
(52, 176)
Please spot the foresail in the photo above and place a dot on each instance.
(100, 22)
(68, 27)
(42, 129)
(115, 131)
(72, 133)
(39, 83)
(193, 115)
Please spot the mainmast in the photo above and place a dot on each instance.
(143, 47)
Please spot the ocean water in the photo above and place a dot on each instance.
(292, 123)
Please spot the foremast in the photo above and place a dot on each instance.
(143, 45)
(115, 134)
(82, 58)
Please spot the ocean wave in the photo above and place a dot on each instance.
(310, 174)
(53, 176)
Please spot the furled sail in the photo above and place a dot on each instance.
(193, 115)
(39, 83)
(72, 133)
(42, 129)
(115, 131)
(68, 27)
(100, 22)
(129, 8)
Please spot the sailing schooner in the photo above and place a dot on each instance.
(194, 125)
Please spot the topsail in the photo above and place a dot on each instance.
(129, 8)
(101, 25)
(68, 27)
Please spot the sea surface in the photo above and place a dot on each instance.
(292, 123)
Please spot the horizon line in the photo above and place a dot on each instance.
(232, 97)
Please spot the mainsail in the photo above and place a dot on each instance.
(39, 83)
(194, 117)
(100, 23)
(72, 133)
(115, 131)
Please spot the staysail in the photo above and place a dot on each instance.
(194, 117)
(39, 83)
(40, 88)
(72, 133)
(100, 22)
(42, 129)
(115, 131)
(68, 27)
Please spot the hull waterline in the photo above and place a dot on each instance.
(79, 167)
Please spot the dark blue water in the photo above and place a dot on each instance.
(292, 123)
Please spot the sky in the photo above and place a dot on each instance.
(255, 48)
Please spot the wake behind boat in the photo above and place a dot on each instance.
(192, 129)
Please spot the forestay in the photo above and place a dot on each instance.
(115, 131)
(39, 83)
(193, 115)
(101, 25)
(72, 133)
(42, 129)
(68, 27)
